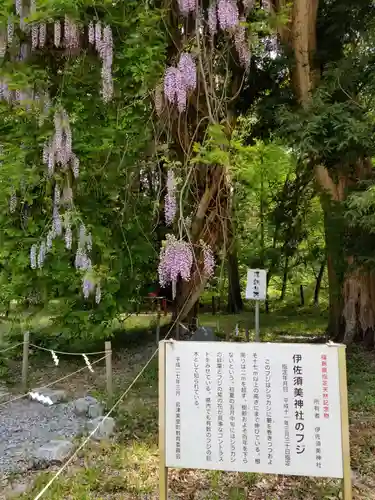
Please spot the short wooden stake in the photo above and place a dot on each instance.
(25, 361)
(163, 470)
(347, 480)
(108, 370)
(247, 334)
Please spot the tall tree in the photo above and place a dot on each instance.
(333, 132)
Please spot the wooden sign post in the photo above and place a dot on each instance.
(261, 408)
(256, 289)
(347, 475)
(163, 474)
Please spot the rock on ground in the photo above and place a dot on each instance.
(105, 429)
(54, 452)
(88, 407)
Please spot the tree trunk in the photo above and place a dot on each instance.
(301, 296)
(318, 283)
(285, 279)
(351, 286)
(210, 224)
(235, 304)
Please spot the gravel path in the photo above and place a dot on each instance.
(26, 425)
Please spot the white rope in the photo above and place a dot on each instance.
(68, 353)
(11, 347)
(53, 383)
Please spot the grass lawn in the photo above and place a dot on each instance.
(127, 467)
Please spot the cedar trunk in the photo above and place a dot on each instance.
(351, 287)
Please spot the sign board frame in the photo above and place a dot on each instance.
(343, 398)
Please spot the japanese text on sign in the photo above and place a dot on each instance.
(253, 408)
(256, 284)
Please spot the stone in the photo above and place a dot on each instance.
(88, 407)
(105, 429)
(54, 452)
(205, 334)
(56, 396)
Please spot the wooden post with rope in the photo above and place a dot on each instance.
(25, 361)
(108, 371)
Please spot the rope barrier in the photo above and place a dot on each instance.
(65, 465)
(11, 347)
(123, 395)
(55, 382)
(67, 353)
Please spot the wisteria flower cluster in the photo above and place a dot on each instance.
(176, 259)
(241, 44)
(181, 80)
(226, 14)
(83, 263)
(101, 38)
(187, 6)
(208, 259)
(58, 151)
(170, 202)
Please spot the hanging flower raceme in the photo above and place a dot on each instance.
(227, 13)
(241, 44)
(187, 6)
(188, 70)
(102, 39)
(208, 260)
(176, 260)
(179, 81)
(212, 18)
(71, 34)
(58, 151)
(170, 203)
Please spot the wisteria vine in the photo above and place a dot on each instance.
(58, 154)
(180, 81)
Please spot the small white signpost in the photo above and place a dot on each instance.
(266, 408)
(256, 289)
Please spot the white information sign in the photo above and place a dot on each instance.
(271, 408)
(256, 285)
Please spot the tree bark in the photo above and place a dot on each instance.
(351, 286)
(235, 304)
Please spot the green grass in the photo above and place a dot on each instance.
(127, 468)
(273, 326)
